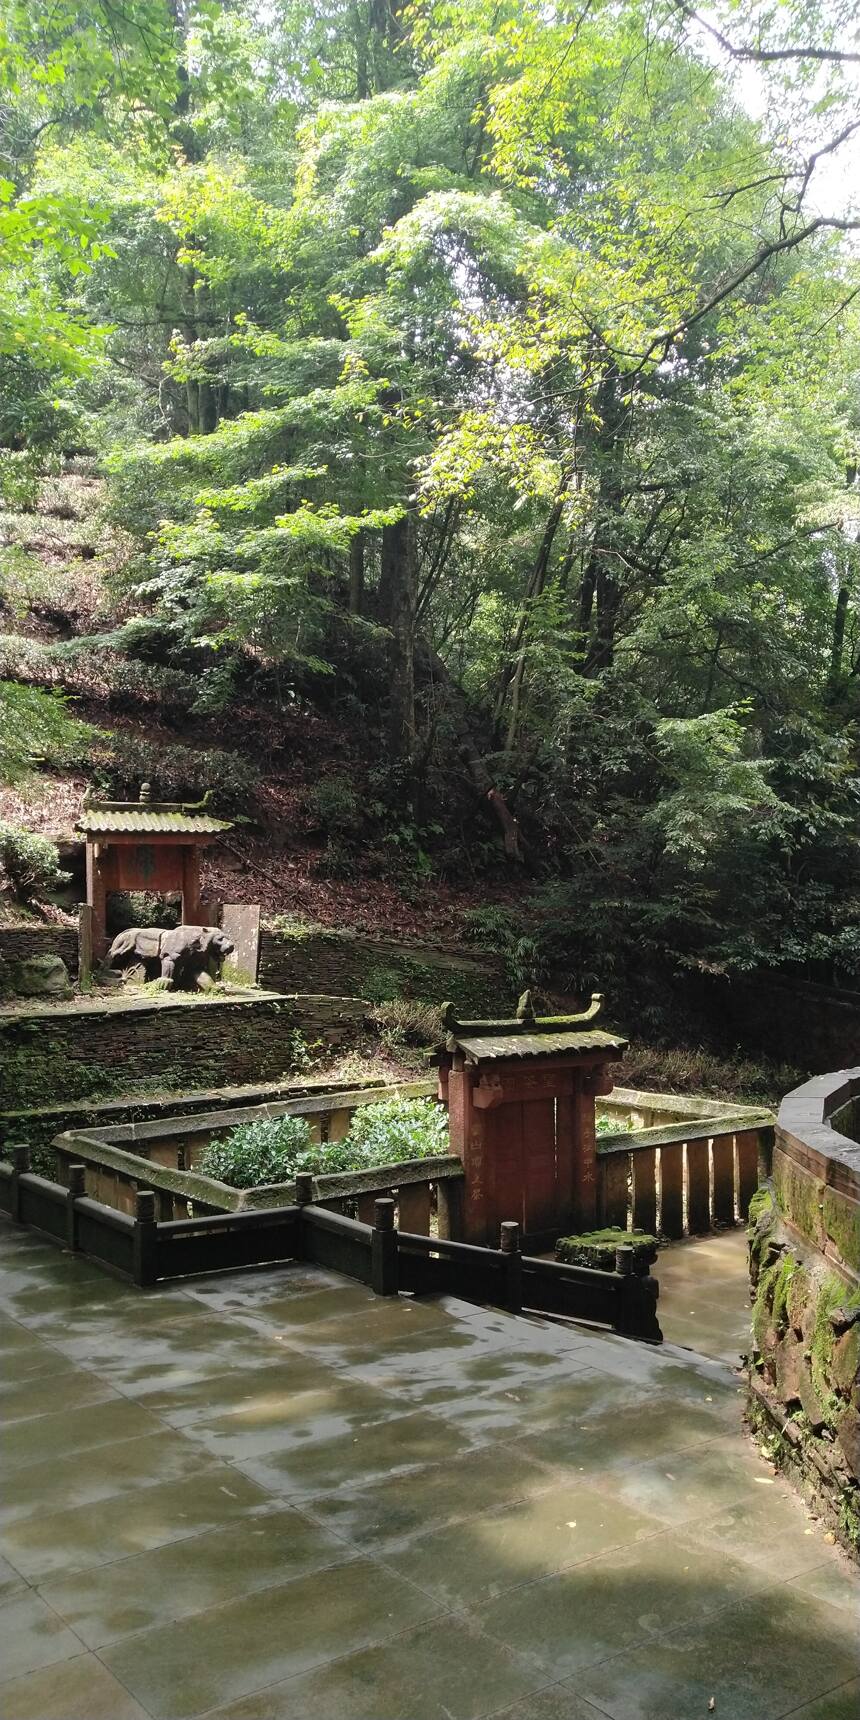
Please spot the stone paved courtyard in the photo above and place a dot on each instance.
(274, 1497)
(704, 1294)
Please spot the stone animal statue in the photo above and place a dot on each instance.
(187, 957)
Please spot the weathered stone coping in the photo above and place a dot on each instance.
(816, 1169)
(156, 1002)
(146, 1106)
(153, 1004)
(680, 1104)
(728, 1122)
(88, 1149)
(806, 1134)
(170, 1127)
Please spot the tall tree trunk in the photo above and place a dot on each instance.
(837, 649)
(356, 574)
(600, 593)
(361, 37)
(398, 598)
(473, 759)
(200, 394)
(536, 585)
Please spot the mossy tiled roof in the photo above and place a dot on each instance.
(490, 1047)
(528, 1034)
(147, 821)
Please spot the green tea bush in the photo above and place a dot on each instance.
(275, 1148)
(29, 863)
(270, 1151)
(395, 1129)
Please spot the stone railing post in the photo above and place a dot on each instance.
(512, 1261)
(636, 1307)
(20, 1160)
(304, 1188)
(76, 1186)
(383, 1249)
(145, 1253)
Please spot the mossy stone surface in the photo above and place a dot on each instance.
(596, 1248)
(848, 1436)
(799, 1198)
(845, 1365)
(789, 1370)
(821, 1348)
(41, 976)
(841, 1220)
(800, 1301)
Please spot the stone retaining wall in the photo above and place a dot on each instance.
(48, 1055)
(37, 1127)
(299, 958)
(18, 943)
(804, 1370)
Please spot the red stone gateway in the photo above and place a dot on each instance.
(144, 845)
(520, 1100)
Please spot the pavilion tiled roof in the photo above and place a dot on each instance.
(148, 821)
(479, 1049)
(529, 1035)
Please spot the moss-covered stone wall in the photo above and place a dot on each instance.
(804, 1366)
(19, 943)
(297, 957)
(75, 1052)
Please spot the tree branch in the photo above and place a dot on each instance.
(765, 56)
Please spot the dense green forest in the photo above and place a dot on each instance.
(482, 380)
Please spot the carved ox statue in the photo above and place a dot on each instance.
(187, 957)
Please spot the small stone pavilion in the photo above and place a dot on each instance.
(520, 1098)
(147, 844)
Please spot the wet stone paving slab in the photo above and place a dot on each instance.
(272, 1496)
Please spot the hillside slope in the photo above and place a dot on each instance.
(308, 837)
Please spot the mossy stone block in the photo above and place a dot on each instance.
(813, 1405)
(845, 1365)
(789, 1369)
(800, 1301)
(848, 1436)
(596, 1248)
(842, 1223)
(41, 976)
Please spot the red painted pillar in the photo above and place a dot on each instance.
(565, 1125)
(583, 1155)
(97, 898)
(191, 886)
(469, 1141)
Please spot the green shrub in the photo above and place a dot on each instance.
(176, 772)
(275, 1148)
(337, 860)
(270, 1151)
(126, 908)
(335, 805)
(493, 927)
(30, 863)
(395, 1129)
(614, 1126)
(19, 480)
(407, 1021)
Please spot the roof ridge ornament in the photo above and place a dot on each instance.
(525, 1020)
